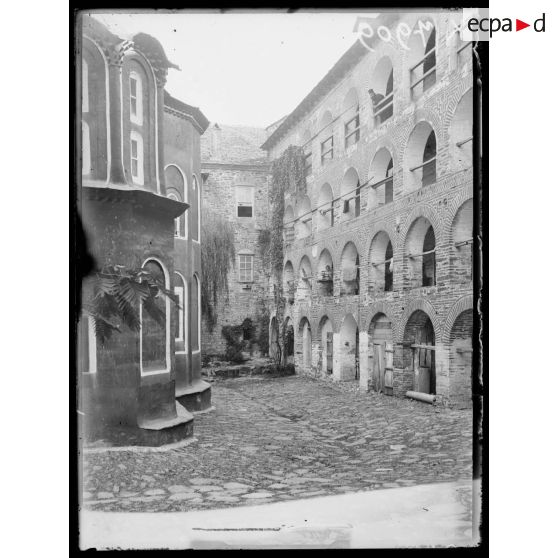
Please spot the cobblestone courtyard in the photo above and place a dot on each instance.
(276, 439)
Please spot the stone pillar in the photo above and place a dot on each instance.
(365, 371)
(316, 359)
(442, 372)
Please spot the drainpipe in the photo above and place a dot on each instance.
(419, 396)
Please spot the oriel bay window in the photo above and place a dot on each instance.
(327, 149)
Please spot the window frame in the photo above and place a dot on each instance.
(250, 257)
(325, 152)
(136, 137)
(355, 132)
(238, 188)
(137, 117)
(179, 292)
(167, 368)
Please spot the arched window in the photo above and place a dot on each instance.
(195, 209)
(381, 179)
(154, 337)
(177, 221)
(420, 156)
(289, 286)
(350, 192)
(196, 313)
(461, 132)
(422, 57)
(381, 92)
(177, 190)
(420, 255)
(350, 270)
(85, 150)
(136, 157)
(324, 277)
(381, 264)
(136, 98)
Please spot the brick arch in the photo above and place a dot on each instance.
(384, 142)
(454, 206)
(417, 304)
(453, 100)
(380, 307)
(301, 318)
(378, 228)
(336, 256)
(464, 303)
(302, 256)
(428, 212)
(428, 115)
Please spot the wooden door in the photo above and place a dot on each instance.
(329, 352)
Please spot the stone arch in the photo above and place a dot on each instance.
(289, 282)
(418, 304)
(349, 349)
(420, 263)
(288, 340)
(380, 341)
(304, 278)
(380, 307)
(463, 304)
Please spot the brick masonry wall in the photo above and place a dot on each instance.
(439, 203)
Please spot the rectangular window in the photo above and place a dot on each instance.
(352, 131)
(245, 268)
(133, 97)
(327, 149)
(135, 158)
(244, 201)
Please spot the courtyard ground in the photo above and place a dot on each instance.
(278, 439)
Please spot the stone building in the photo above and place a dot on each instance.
(377, 270)
(128, 128)
(236, 182)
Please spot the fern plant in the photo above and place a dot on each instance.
(117, 294)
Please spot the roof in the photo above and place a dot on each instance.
(193, 112)
(351, 57)
(223, 143)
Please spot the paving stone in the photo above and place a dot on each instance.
(347, 442)
(184, 496)
(154, 492)
(179, 488)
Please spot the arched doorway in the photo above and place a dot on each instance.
(380, 353)
(420, 352)
(326, 345)
(348, 357)
(306, 336)
(288, 341)
(274, 347)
